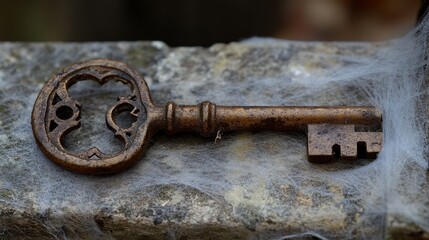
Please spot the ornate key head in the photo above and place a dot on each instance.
(56, 113)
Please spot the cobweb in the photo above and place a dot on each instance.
(260, 177)
(394, 78)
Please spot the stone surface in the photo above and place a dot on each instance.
(243, 186)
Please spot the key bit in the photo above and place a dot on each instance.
(333, 132)
(328, 141)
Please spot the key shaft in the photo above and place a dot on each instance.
(207, 118)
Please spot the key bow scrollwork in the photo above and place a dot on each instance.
(56, 114)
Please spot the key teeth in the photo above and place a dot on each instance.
(327, 142)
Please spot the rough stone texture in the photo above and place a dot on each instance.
(185, 187)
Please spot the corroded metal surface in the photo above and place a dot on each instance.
(331, 129)
(327, 141)
(55, 114)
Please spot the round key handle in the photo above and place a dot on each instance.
(56, 113)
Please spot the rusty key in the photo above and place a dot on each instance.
(333, 132)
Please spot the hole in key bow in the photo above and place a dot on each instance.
(64, 112)
(125, 115)
(95, 100)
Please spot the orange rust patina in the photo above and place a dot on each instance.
(333, 132)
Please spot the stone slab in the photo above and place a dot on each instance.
(243, 186)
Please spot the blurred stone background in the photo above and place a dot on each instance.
(203, 23)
